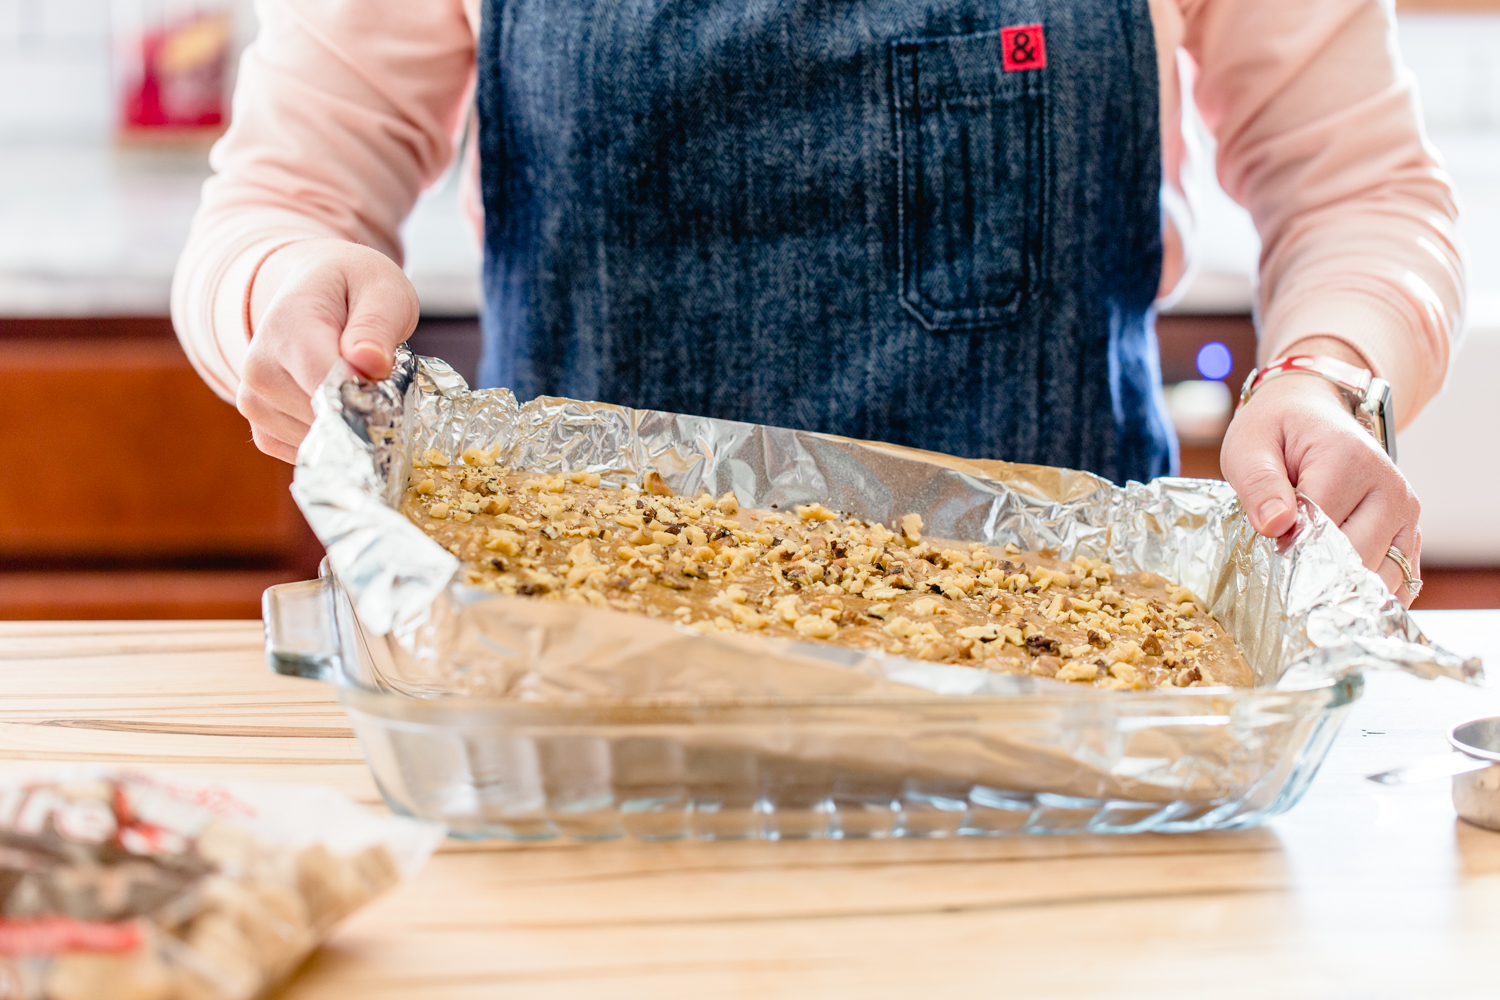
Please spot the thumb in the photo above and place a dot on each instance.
(383, 311)
(1254, 463)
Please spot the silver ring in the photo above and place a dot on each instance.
(1413, 585)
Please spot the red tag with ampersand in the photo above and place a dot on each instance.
(1023, 47)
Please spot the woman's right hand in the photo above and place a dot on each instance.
(313, 302)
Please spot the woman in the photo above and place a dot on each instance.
(934, 222)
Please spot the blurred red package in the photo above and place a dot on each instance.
(173, 72)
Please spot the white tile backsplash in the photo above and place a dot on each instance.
(73, 19)
(1456, 60)
(55, 82)
(41, 26)
(54, 68)
(10, 24)
(56, 58)
(65, 93)
(49, 47)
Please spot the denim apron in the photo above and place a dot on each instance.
(931, 222)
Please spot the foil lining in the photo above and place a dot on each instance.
(1304, 611)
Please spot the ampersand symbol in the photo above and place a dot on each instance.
(1021, 49)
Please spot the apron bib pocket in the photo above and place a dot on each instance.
(971, 180)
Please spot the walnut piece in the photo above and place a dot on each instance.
(814, 575)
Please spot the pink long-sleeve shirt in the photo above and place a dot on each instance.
(347, 109)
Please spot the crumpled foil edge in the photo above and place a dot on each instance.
(1304, 611)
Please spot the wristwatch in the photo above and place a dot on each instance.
(1369, 398)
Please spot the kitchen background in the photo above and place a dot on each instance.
(127, 490)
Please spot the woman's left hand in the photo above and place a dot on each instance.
(1297, 432)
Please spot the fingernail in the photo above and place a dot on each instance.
(1271, 510)
(369, 356)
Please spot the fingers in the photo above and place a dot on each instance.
(383, 311)
(369, 359)
(278, 408)
(1413, 556)
(1299, 432)
(1384, 516)
(273, 446)
(293, 348)
(314, 301)
(1340, 476)
(265, 418)
(1253, 463)
(268, 384)
(1409, 542)
(1363, 492)
(280, 374)
(275, 431)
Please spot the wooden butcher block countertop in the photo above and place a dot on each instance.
(1360, 891)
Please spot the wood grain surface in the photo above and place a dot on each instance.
(1361, 891)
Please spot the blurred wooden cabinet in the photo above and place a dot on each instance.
(127, 488)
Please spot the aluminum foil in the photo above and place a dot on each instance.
(1304, 610)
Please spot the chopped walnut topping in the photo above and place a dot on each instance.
(911, 528)
(1077, 670)
(927, 606)
(816, 626)
(1187, 677)
(481, 457)
(1051, 666)
(815, 512)
(814, 575)
(1038, 643)
(901, 627)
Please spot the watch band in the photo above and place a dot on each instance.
(1369, 397)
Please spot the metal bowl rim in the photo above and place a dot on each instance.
(1469, 749)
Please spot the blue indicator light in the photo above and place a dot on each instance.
(1214, 360)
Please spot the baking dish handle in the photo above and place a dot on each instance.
(300, 634)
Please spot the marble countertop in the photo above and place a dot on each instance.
(91, 229)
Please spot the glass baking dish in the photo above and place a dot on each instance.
(1052, 760)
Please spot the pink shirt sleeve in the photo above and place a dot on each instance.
(344, 111)
(1320, 138)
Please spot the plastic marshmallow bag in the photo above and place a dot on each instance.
(119, 885)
